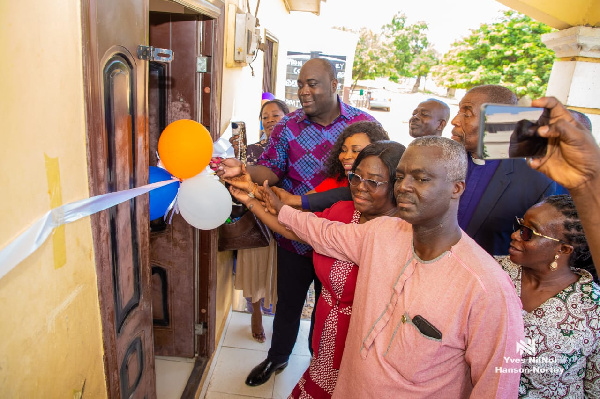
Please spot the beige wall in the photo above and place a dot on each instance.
(50, 335)
(224, 291)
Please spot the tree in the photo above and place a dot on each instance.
(509, 52)
(368, 57)
(402, 44)
(421, 66)
(400, 50)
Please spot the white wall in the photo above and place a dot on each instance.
(296, 31)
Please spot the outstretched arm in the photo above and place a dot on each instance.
(232, 168)
(573, 160)
(258, 209)
(288, 198)
(323, 200)
(335, 239)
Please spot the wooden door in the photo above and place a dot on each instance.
(116, 117)
(172, 96)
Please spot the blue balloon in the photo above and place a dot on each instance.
(161, 198)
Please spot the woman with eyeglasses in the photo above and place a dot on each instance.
(371, 182)
(550, 265)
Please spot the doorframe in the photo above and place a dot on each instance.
(208, 240)
(207, 258)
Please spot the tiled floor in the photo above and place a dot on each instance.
(172, 374)
(239, 353)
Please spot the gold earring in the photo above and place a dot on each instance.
(553, 266)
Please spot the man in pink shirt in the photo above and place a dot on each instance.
(434, 315)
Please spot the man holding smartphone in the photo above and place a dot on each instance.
(496, 190)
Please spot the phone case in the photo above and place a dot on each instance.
(426, 328)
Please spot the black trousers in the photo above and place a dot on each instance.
(294, 275)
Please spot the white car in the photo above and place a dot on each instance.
(379, 99)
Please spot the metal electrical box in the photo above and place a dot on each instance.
(247, 37)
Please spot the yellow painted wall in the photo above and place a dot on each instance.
(50, 334)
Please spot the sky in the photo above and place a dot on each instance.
(448, 20)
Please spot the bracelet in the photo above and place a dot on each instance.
(250, 207)
(251, 194)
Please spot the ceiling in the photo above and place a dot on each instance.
(559, 14)
(313, 6)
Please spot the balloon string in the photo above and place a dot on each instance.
(172, 206)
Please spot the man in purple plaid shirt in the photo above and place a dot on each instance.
(293, 160)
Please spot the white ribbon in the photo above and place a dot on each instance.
(31, 239)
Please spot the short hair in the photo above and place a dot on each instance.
(373, 130)
(390, 153)
(445, 108)
(573, 232)
(496, 94)
(454, 155)
(282, 106)
(327, 65)
(582, 118)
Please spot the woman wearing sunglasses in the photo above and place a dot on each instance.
(372, 185)
(550, 265)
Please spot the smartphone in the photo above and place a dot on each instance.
(510, 131)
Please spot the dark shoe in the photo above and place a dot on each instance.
(261, 373)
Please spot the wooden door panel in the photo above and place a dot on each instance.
(118, 90)
(173, 281)
(116, 117)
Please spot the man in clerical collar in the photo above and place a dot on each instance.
(496, 190)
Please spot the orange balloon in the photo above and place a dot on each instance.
(185, 148)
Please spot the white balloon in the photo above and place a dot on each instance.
(204, 202)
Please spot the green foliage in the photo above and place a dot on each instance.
(403, 43)
(422, 63)
(509, 52)
(400, 50)
(368, 57)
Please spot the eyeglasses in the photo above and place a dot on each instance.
(527, 232)
(371, 184)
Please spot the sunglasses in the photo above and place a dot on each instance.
(527, 233)
(372, 185)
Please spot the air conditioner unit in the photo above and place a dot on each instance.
(247, 38)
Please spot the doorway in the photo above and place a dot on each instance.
(155, 288)
(182, 258)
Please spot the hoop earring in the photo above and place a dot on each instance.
(553, 266)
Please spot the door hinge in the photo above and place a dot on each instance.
(200, 329)
(150, 53)
(202, 64)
